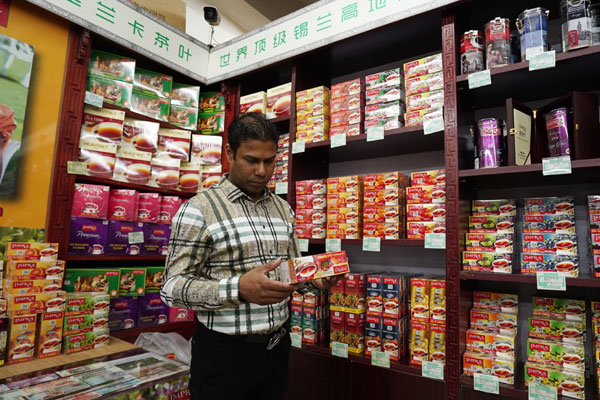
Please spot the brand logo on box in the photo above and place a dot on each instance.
(112, 273)
(160, 232)
(75, 320)
(543, 301)
(473, 256)
(23, 299)
(19, 246)
(533, 238)
(75, 302)
(154, 302)
(540, 323)
(390, 322)
(22, 284)
(534, 202)
(77, 338)
(51, 316)
(533, 258)
(537, 372)
(121, 304)
(126, 228)
(418, 326)
(480, 315)
(24, 320)
(534, 218)
(481, 296)
(438, 284)
(25, 265)
(89, 228)
(539, 347)
(475, 336)
(475, 236)
(473, 360)
(478, 220)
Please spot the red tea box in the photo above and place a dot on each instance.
(168, 207)
(31, 251)
(348, 88)
(304, 269)
(148, 207)
(122, 205)
(90, 201)
(355, 332)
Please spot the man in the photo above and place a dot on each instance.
(226, 244)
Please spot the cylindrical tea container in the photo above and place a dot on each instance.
(497, 42)
(532, 26)
(489, 142)
(558, 132)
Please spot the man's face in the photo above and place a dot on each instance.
(252, 166)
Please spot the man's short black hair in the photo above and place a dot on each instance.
(251, 126)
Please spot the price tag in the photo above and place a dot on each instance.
(543, 60)
(371, 244)
(533, 51)
(556, 165)
(333, 245)
(548, 280)
(303, 245)
(298, 147)
(281, 188)
(479, 79)
(435, 240)
(433, 125)
(432, 370)
(486, 383)
(338, 140)
(380, 359)
(136, 237)
(339, 349)
(375, 133)
(538, 391)
(296, 340)
(93, 99)
(76, 168)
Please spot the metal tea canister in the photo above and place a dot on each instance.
(471, 52)
(497, 42)
(533, 31)
(558, 132)
(489, 142)
(576, 24)
(595, 14)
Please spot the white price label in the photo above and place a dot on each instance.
(339, 349)
(338, 140)
(281, 188)
(556, 165)
(136, 237)
(93, 99)
(548, 280)
(298, 147)
(479, 79)
(435, 240)
(303, 245)
(375, 133)
(296, 340)
(543, 60)
(371, 244)
(333, 245)
(433, 125)
(430, 369)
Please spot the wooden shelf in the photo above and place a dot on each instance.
(278, 120)
(358, 242)
(516, 391)
(126, 185)
(73, 257)
(185, 329)
(399, 366)
(583, 281)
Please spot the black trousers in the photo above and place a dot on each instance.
(228, 368)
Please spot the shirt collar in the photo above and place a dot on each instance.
(233, 193)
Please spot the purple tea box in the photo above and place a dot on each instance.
(152, 310)
(88, 236)
(118, 238)
(156, 239)
(123, 313)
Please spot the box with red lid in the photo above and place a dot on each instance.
(90, 201)
(382, 215)
(317, 201)
(304, 269)
(122, 205)
(315, 186)
(354, 327)
(393, 336)
(348, 88)
(425, 194)
(310, 216)
(50, 335)
(373, 334)
(148, 207)
(434, 212)
(383, 198)
(337, 326)
(355, 292)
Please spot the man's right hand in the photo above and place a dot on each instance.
(256, 287)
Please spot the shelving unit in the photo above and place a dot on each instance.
(358, 242)
(185, 329)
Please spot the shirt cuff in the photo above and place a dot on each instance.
(229, 291)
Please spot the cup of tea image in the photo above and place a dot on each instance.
(211, 155)
(282, 106)
(134, 250)
(48, 252)
(51, 345)
(90, 208)
(108, 131)
(189, 181)
(97, 249)
(137, 173)
(143, 143)
(23, 350)
(101, 166)
(167, 179)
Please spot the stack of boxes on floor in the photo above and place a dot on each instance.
(426, 204)
(384, 106)
(489, 242)
(594, 218)
(387, 314)
(347, 302)
(280, 175)
(106, 221)
(555, 345)
(424, 90)
(309, 314)
(383, 212)
(344, 207)
(491, 340)
(346, 108)
(33, 298)
(549, 239)
(312, 114)
(86, 321)
(311, 209)
(427, 320)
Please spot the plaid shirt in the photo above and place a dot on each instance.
(217, 236)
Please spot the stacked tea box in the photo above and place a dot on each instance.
(254, 102)
(86, 323)
(428, 320)
(211, 113)
(311, 209)
(204, 169)
(111, 76)
(34, 301)
(491, 340)
(594, 218)
(279, 101)
(183, 111)
(426, 204)
(595, 306)
(309, 314)
(383, 212)
(280, 175)
(347, 304)
(555, 345)
(384, 106)
(549, 239)
(108, 221)
(387, 314)
(151, 94)
(424, 82)
(312, 114)
(489, 242)
(151, 309)
(346, 108)
(344, 207)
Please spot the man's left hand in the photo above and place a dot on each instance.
(328, 283)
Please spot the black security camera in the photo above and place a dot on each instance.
(211, 15)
